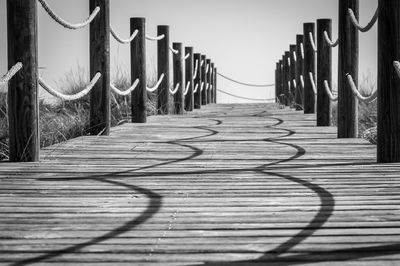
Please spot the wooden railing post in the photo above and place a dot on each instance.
(286, 72)
(163, 55)
(348, 64)
(100, 62)
(138, 71)
(23, 88)
(212, 84)
(209, 81)
(197, 81)
(299, 73)
(189, 98)
(388, 149)
(178, 78)
(281, 78)
(324, 72)
(308, 66)
(276, 82)
(204, 80)
(215, 84)
(292, 74)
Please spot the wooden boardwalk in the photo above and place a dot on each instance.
(227, 185)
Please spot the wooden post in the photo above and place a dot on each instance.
(204, 80)
(178, 78)
(276, 82)
(23, 88)
(138, 71)
(212, 84)
(324, 72)
(215, 84)
(197, 81)
(299, 73)
(292, 74)
(388, 149)
(281, 81)
(100, 62)
(163, 55)
(209, 81)
(286, 71)
(189, 98)
(308, 66)
(348, 63)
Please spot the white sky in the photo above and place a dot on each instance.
(244, 38)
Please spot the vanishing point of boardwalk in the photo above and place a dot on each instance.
(227, 185)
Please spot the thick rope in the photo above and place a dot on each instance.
(244, 98)
(288, 61)
(202, 87)
(173, 50)
(311, 37)
(124, 41)
(72, 97)
(302, 51)
(245, 84)
(66, 24)
(196, 88)
(328, 92)
(357, 24)
(208, 68)
(396, 65)
(329, 41)
(314, 87)
(295, 83)
(153, 89)
(126, 92)
(302, 81)
(11, 73)
(195, 70)
(187, 89)
(356, 93)
(186, 57)
(157, 38)
(175, 90)
(294, 56)
(202, 63)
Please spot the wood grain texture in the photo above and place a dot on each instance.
(163, 62)
(138, 71)
(100, 116)
(324, 72)
(348, 64)
(388, 82)
(225, 185)
(23, 112)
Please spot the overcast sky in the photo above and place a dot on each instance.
(244, 38)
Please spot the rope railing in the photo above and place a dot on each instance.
(196, 88)
(173, 50)
(294, 56)
(185, 57)
(11, 73)
(196, 69)
(202, 63)
(329, 40)
(357, 24)
(173, 92)
(302, 50)
(72, 97)
(126, 92)
(155, 87)
(311, 37)
(302, 81)
(245, 84)
(396, 65)
(314, 87)
(329, 92)
(244, 98)
(157, 38)
(208, 68)
(121, 40)
(294, 83)
(353, 87)
(187, 89)
(65, 24)
(202, 87)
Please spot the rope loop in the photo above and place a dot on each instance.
(72, 97)
(329, 41)
(314, 87)
(356, 23)
(173, 92)
(196, 69)
(157, 38)
(153, 89)
(66, 24)
(355, 91)
(187, 89)
(124, 41)
(329, 92)
(126, 92)
(311, 37)
(173, 50)
(196, 88)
